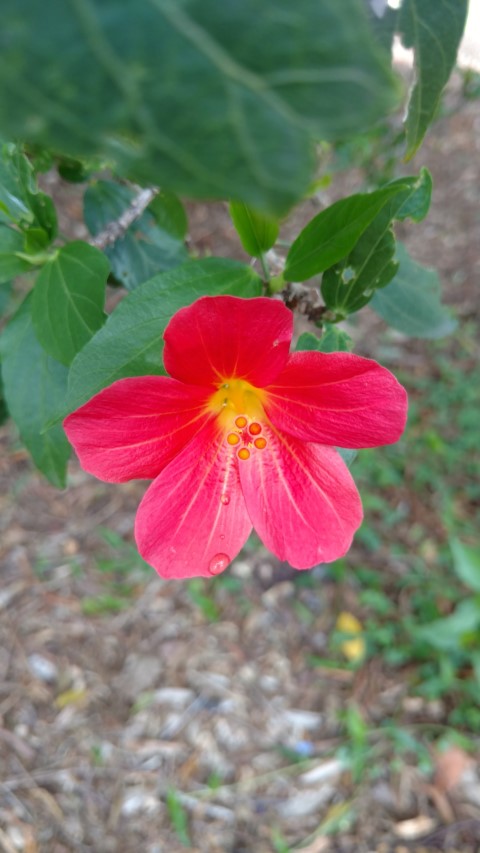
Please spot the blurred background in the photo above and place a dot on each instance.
(268, 709)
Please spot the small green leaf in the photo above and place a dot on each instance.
(72, 170)
(448, 634)
(35, 386)
(466, 562)
(170, 214)
(21, 202)
(257, 232)
(333, 339)
(411, 302)
(332, 234)
(68, 299)
(130, 343)
(11, 242)
(13, 206)
(433, 28)
(178, 817)
(145, 249)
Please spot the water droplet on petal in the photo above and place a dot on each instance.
(225, 499)
(218, 564)
(222, 535)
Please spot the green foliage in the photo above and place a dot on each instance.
(333, 339)
(130, 343)
(68, 300)
(200, 594)
(332, 234)
(145, 249)
(21, 202)
(204, 98)
(411, 302)
(178, 817)
(433, 28)
(34, 386)
(257, 232)
(12, 245)
(350, 284)
(466, 562)
(121, 565)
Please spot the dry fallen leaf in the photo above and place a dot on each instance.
(450, 767)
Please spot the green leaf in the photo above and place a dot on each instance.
(21, 202)
(5, 293)
(13, 207)
(349, 286)
(433, 28)
(11, 265)
(466, 562)
(68, 300)
(257, 232)
(144, 250)
(130, 343)
(205, 98)
(333, 339)
(3, 405)
(411, 302)
(448, 633)
(35, 386)
(332, 234)
(178, 817)
(170, 214)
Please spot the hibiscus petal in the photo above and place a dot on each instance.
(193, 520)
(220, 337)
(133, 428)
(301, 499)
(337, 398)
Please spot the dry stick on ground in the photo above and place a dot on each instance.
(116, 229)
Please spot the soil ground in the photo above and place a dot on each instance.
(191, 719)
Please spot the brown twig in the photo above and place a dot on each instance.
(307, 301)
(116, 229)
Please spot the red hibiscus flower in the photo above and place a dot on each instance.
(241, 435)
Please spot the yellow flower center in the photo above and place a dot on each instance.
(238, 407)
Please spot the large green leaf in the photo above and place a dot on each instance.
(411, 302)
(145, 249)
(130, 343)
(433, 28)
(208, 98)
(68, 299)
(349, 285)
(332, 234)
(11, 243)
(257, 232)
(34, 386)
(5, 293)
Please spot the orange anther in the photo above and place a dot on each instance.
(233, 438)
(243, 453)
(254, 429)
(240, 422)
(260, 443)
